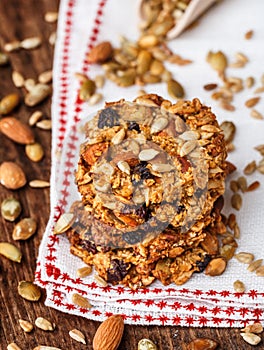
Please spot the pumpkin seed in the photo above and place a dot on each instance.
(44, 324)
(35, 117)
(84, 271)
(37, 94)
(254, 265)
(45, 77)
(10, 209)
(51, 16)
(147, 41)
(148, 154)
(13, 346)
(64, 223)
(245, 258)
(251, 338)
(10, 251)
(236, 201)
(77, 335)
(229, 130)
(45, 124)
(18, 79)
(34, 151)
(215, 267)
(25, 325)
(146, 344)
(24, 229)
(4, 59)
(12, 46)
(250, 168)
(175, 89)
(29, 291)
(239, 286)
(39, 184)
(217, 60)
(87, 89)
(30, 43)
(144, 60)
(9, 103)
(81, 301)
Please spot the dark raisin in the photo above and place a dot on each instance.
(117, 271)
(132, 237)
(89, 246)
(180, 208)
(108, 117)
(142, 170)
(203, 263)
(144, 212)
(105, 249)
(134, 126)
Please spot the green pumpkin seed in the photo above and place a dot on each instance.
(146, 344)
(175, 89)
(8, 103)
(10, 209)
(87, 90)
(29, 291)
(34, 152)
(24, 229)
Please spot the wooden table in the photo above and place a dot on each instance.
(20, 19)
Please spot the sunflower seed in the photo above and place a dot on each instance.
(210, 87)
(253, 186)
(260, 271)
(29, 291)
(256, 114)
(231, 221)
(13, 346)
(158, 125)
(252, 102)
(236, 231)
(245, 258)
(30, 43)
(39, 184)
(25, 325)
(44, 347)
(239, 286)
(10, 209)
(51, 16)
(35, 117)
(64, 223)
(45, 77)
(188, 147)
(241, 57)
(250, 168)
(52, 38)
(234, 186)
(45, 124)
(95, 98)
(77, 335)
(255, 328)
(249, 82)
(251, 338)
(44, 324)
(12, 46)
(254, 265)
(100, 281)
(84, 271)
(229, 130)
(242, 183)
(119, 137)
(24, 229)
(4, 59)
(147, 41)
(248, 35)
(148, 154)
(10, 251)
(81, 301)
(99, 81)
(124, 166)
(236, 201)
(146, 344)
(162, 168)
(260, 149)
(18, 79)
(29, 84)
(37, 94)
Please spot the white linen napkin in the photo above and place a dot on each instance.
(203, 300)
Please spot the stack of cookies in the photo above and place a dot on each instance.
(151, 175)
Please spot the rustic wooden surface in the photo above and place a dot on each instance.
(20, 19)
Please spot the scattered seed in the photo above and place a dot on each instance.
(175, 89)
(256, 114)
(24, 229)
(77, 335)
(234, 186)
(95, 98)
(188, 147)
(227, 251)
(44, 324)
(37, 94)
(229, 130)
(146, 344)
(215, 267)
(100, 281)
(4, 59)
(253, 186)
(25, 325)
(39, 184)
(239, 286)
(30, 43)
(124, 166)
(10, 209)
(231, 221)
(254, 265)
(236, 231)
(29, 84)
(236, 201)
(44, 347)
(35, 117)
(99, 81)
(12, 46)
(249, 82)
(10, 251)
(260, 149)
(260, 271)
(44, 124)
(255, 328)
(81, 301)
(227, 106)
(29, 291)
(217, 60)
(45, 77)
(52, 38)
(87, 89)
(245, 258)
(242, 183)
(34, 152)
(9, 103)
(18, 79)
(84, 271)
(162, 167)
(251, 338)
(241, 57)
(248, 35)
(51, 16)
(210, 87)
(250, 168)
(13, 346)
(252, 102)
(64, 223)
(202, 344)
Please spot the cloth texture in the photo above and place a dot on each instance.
(203, 300)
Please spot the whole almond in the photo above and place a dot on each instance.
(8, 103)
(202, 344)
(16, 130)
(100, 53)
(12, 176)
(109, 334)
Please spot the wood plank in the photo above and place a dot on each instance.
(20, 19)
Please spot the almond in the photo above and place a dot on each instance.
(202, 344)
(109, 334)
(100, 53)
(12, 176)
(16, 130)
